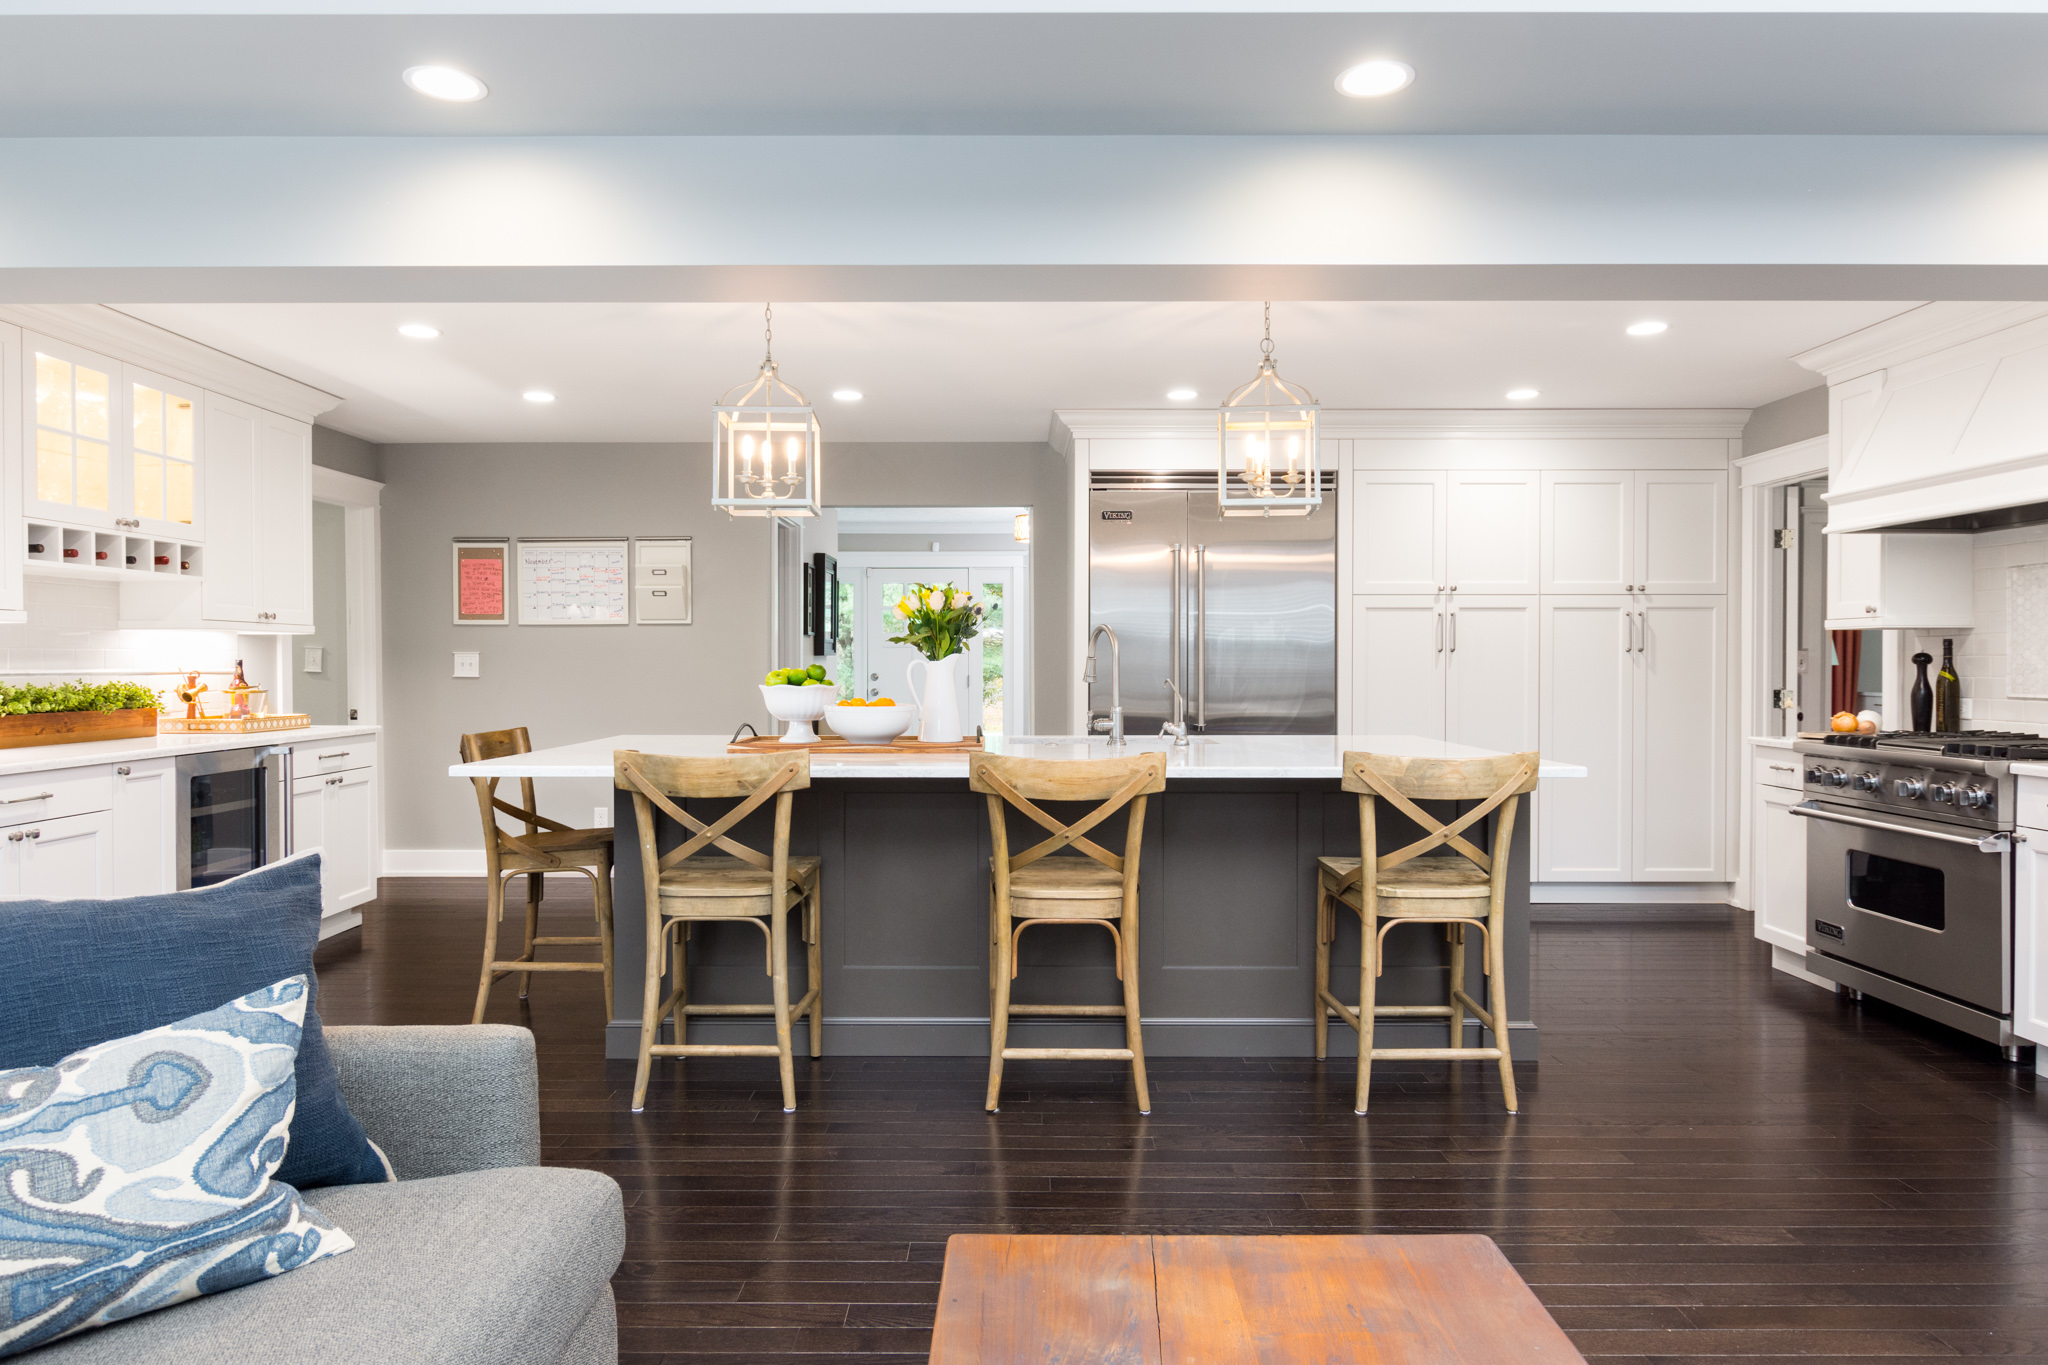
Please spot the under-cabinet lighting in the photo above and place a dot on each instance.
(538, 396)
(1649, 327)
(445, 83)
(1521, 395)
(1370, 80)
(418, 331)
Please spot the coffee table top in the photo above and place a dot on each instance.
(1401, 1300)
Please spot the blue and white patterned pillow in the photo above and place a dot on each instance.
(136, 1174)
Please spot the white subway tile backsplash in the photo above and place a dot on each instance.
(74, 630)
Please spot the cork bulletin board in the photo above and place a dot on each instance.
(481, 594)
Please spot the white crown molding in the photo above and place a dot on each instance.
(1369, 423)
(136, 342)
(1911, 335)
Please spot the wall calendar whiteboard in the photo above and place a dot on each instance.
(572, 583)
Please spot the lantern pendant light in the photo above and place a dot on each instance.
(1267, 454)
(765, 444)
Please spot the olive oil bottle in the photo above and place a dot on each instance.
(1948, 691)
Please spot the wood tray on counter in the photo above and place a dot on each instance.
(234, 725)
(832, 746)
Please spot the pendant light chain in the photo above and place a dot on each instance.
(768, 335)
(1266, 346)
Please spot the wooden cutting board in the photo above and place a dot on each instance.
(832, 746)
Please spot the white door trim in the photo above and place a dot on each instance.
(362, 504)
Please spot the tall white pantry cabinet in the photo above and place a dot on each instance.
(1551, 596)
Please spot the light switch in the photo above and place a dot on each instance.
(316, 658)
(468, 664)
(1966, 709)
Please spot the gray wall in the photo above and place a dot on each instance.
(1797, 418)
(324, 695)
(571, 683)
(349, 454)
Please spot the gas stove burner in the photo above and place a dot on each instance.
(1956, 743)
(2015, 753)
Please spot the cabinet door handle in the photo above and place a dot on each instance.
(1454, 630)
(33, 834)
(336, 781)
(123, 770)
(1783, 768)
(14, 836)
(1642, 632)
(324, 757)
(17, 800)
(1439, 632)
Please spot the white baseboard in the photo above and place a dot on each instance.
(433, 862)
(1631, 893)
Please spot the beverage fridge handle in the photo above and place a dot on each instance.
(283, 754)
(1201, 636)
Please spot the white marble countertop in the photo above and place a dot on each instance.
(2030, 770)
(1208, 756)
(43, 758)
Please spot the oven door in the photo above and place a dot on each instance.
(1922, 902)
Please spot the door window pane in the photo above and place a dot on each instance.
(178, 494)
(149, 418)
(178, 427)
(991, 642)
(91, 396)
(73, 429)
(53, 467)
(149, 485)
(163, 454)
(1902, 890)
(93, 467)
(53, 392)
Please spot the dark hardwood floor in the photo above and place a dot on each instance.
(1712, 1160)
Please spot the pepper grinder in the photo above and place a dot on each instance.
(1923, 695)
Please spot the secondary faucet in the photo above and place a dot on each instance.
(1116, 682)
(1178, 726)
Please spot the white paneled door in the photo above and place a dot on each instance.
(1587, 717)
(69, 858)
(1681, 759)
(145, 832)
(284, 508)
(1493, 531)
(1588, 532)
(1777, 877)
(1682, 530)
(1399, 649)
(228, 593)
(1491, 683)
(1398, 527)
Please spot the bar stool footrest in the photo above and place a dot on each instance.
(1104, 1011)
(1436, 1054)
(714, 1050)
(1066, 1054)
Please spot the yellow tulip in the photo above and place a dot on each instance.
(904, 608)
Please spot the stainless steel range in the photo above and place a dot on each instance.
(1909, 870)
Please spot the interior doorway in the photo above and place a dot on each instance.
(995, 686)
(337, 671)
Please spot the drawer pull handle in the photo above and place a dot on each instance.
(336, 781)
(33, 834)
(324, 757)
(14, 837)
(123, 770)
(1783, 768)
(39, 796)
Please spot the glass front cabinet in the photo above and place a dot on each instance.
(112, 447)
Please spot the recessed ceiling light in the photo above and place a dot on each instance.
(1647, 328)
(1370, 80)
(1181, 395)
(1520, 395)
(445, 83)
(847, 395)
(418, 331)
(543, 396)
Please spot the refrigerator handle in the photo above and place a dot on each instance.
(1179, 591)
(1201, 636)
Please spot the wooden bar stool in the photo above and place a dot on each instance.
(688, 884)
(546, 846)
(1091, 886)
(1464, 889)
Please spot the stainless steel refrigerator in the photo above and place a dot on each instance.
(1240, 612)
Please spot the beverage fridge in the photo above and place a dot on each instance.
(1240, 613)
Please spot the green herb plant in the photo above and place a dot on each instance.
(37, 698)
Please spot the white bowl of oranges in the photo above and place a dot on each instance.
(871, 722)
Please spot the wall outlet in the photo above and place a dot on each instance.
(600, 817)
(1966, 708)
(316, 658)
(468, 664)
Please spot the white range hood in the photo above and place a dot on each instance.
(1938, 415)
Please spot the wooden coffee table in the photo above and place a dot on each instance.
(1239, 1301)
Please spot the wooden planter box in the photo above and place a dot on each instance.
(76, 727)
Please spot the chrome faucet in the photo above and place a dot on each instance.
(1115, 724)
(1178, 726)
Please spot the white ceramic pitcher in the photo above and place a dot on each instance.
(938, 701)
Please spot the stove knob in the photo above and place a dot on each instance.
(1912, 788)
(1978, 798)
(1816, 774)
(1836, 778)
(1944, 793)
(1868, 782)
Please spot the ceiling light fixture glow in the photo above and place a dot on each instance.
(538, 396)
(847, 395)
(1182, 395)
(1521, 395)
(1647, 328)
(1370, 80)
(445, 83)
(418, 331)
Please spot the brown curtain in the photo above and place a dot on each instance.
(1848, 667)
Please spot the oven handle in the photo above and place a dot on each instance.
(1990, 843)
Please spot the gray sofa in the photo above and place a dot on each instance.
(476, 1255)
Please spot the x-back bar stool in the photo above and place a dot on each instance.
(1045, 885)
(689, 883)
(545, 846)
(1463, 889)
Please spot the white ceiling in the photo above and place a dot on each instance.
(239, 71)
(992, 371)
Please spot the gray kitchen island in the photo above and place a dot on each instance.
(1227, 902)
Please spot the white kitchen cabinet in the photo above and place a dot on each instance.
(259, 553)
(12, 605)
(1490, 680)
(1398, 527)
(1397, 678)
(1633, 689)
(74, 413)
(1900, 580)
(163, 456)
(145, 829)
(334, 813)
(1777, 877)
(2030, 930)
(69, 858)
(1646, 531)
(1492, 531)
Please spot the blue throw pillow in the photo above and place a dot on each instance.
(136, 1174)
(80, 972)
